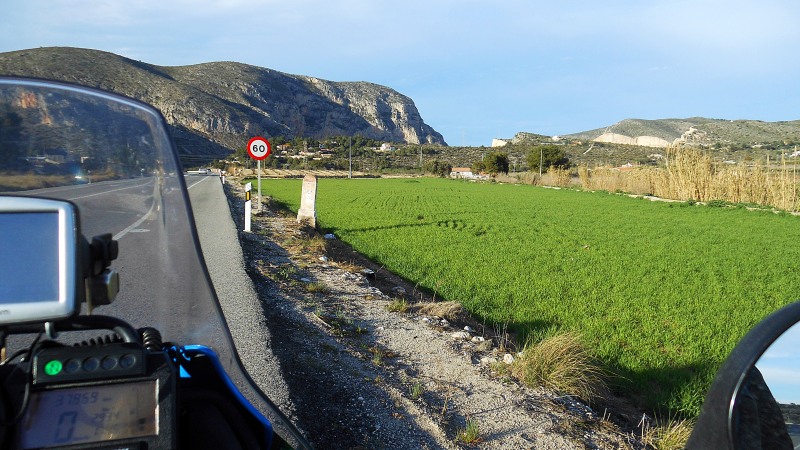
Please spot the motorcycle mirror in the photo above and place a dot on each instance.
(750, 404)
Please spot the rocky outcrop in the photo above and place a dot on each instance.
(642, 141)
(216, 107)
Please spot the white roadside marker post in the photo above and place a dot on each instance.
(247, 206)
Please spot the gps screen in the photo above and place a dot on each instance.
(29, 252)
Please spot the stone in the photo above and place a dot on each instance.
(329, 236)
(369, 273)
(478, 339)
(308, 202)
(469, 329)
(508, 358)
(485, 346)
(460, 335)
(398, 291)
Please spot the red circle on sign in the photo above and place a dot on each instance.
(258, 148)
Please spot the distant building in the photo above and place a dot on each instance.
(625, 167)
(461, 172)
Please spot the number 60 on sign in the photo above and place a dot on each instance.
(258, 148)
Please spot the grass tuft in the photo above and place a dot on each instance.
(378, 355)
(399, 305)
(671, 435)
(470, 434)
(416, 390)
(561, 363)
(317, 287)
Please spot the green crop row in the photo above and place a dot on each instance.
(661, 291)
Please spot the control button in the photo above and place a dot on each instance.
(91, 364)
(109, 362)
(72, 366)
(127, 361)
(53, 367)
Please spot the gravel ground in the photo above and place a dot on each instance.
(359, 376)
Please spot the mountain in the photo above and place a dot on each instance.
(214, 108)
(698, 131)
(694, 130)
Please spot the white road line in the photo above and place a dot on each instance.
(198, 182)
(133, 226)
(106, 192)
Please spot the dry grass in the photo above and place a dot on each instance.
(671, 435)
(561, 363)
(399, 305)
(452, 311)
(348, 266)
(12, 181)
(529, 178)
(691, 174)
(317, 287)
(559, 177)
(310, 246)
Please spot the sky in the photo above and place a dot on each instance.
(476, 70)
(780, 367)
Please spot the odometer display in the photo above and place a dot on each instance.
(90, 414)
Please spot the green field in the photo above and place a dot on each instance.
(660, 291)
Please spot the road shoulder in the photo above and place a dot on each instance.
(372, 378)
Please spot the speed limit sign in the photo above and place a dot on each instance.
(258, 148)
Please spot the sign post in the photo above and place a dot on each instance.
(258, 148)
(247, 206)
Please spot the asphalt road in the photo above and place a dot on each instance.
(162, 281)
(240, 304)
(125, 206)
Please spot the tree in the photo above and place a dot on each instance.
(545, 156)
(11, 138)
(437, 167)
(496, 162)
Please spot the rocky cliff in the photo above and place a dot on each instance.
(216, 107)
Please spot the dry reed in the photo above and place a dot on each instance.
(691, 174)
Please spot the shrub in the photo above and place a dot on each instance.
(563, 364)
(438, 168)
(547, 156)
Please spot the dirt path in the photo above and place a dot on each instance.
(366, 371)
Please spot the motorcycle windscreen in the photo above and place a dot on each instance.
(114, 158)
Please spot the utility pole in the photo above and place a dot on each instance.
(420, 158)
(541, 156)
